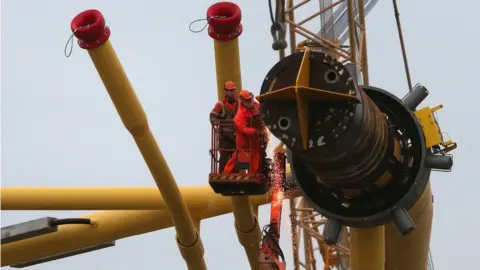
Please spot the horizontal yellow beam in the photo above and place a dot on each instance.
(104, 198)
(97, 198)
(202, 202)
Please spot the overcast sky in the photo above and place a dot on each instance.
(59, 127)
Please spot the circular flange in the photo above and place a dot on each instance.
(403, 193)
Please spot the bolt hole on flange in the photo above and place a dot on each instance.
(284, 123)
(331, 76)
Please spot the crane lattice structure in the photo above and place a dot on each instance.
(341, 23)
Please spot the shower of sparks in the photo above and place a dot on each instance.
(277, 177)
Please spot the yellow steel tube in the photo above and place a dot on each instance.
(227, 64)
(363, 53)
(134, 118)
(113, 225)
(246, 224)
(351, 31)
(104, 198)
(99, 198)
(367, 248)
(85, 198)
(247, 228)
(411, 251)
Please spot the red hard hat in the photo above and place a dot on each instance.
(229, 85)
(244, 94)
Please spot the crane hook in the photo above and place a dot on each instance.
(278, 28)
(278, 32)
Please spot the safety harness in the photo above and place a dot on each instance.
(223, 113)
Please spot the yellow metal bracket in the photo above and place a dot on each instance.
(302, 46)
(432, 131)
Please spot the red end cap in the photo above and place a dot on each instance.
(90, 29)
(224, 21)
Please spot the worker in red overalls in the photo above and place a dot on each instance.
(251, 133)
(222, 115)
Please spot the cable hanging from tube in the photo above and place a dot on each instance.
(71, 221)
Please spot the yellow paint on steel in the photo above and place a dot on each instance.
(227, 64)
(99, 198)
(134, 118)
(367, 248)
(102, 198)
(202, 202)
(112, 225)
(411, 251)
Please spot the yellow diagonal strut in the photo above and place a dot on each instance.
(135, 120)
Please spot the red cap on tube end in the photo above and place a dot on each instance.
(224, 21)
(89, 27)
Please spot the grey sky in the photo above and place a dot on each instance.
(59, 127)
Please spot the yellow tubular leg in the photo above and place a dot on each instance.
(227, 61)
(135, 120)
(411, 251)
(367, 248)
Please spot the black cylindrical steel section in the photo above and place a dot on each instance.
(397, 187)
(415, 97)
(332, 232)
(439, 162)
(358, 153)
(403, 221)
(348, 142)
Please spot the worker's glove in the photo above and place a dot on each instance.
(257, 116)
(262, 132)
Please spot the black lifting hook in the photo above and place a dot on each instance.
(278, 33)
(278, 28)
